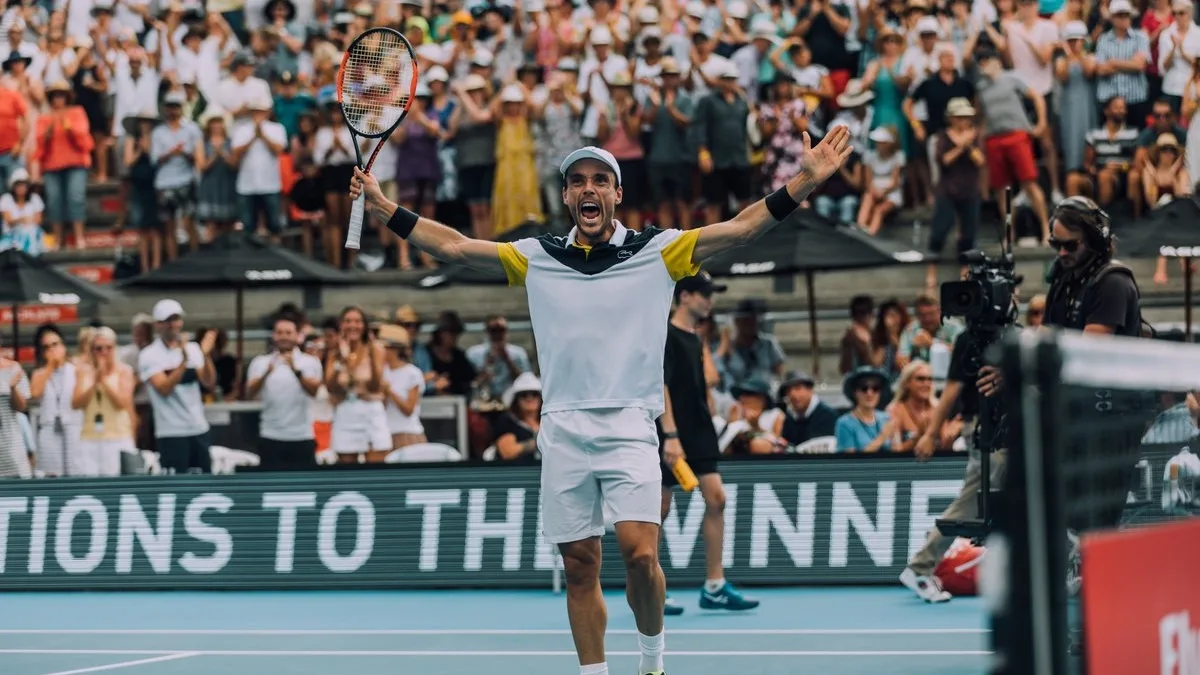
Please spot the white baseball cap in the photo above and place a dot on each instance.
(1120, 7)
(165, 309)
(1074, 30)
(592, 152)
(929, 24)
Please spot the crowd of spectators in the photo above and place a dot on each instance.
(350, 389)
(211, 115)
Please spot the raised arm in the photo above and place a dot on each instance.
(817, 165)
(440, 241)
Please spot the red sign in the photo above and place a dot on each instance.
(106, 239)
(34, 315)
(1141, 600)
(97, 274)
(25, 355)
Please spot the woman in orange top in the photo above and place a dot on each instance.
(62, 157)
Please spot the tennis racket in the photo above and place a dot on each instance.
(376, 85)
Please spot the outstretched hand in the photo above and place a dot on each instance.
(365, 183)
(822, 161)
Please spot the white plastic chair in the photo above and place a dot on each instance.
(227, 460)
(820, 445)
(424, 452)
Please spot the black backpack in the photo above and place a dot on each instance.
(1145, 330)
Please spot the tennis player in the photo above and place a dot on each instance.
(599, 301)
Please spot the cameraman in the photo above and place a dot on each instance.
(1088, 291)
(963, 393)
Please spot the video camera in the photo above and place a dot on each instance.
(985, 297)
(986, 301)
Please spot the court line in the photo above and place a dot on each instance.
(489, 631)
(128, 664)
(488, 653)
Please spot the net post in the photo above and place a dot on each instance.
(1022, 642)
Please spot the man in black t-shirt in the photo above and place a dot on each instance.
(686, 430)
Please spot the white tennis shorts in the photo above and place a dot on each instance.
(598, 463)
(359, 426)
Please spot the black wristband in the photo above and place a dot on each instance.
(670, 435)
(402, 222)
(780, 204)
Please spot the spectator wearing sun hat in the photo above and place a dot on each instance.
(1075, 68)
(959, 151)
(866, 427)
(596, 72)
(474, 130)
(61, 158)
(21, 213)
(805, 416)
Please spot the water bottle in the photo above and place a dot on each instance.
(1170, 490)
(939, 360)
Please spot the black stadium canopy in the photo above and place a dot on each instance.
(238, 260)
(807, 242)
(26, 280)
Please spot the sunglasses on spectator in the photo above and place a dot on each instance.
(51, 344)
(870, 388)
(1068, 245)
(922, 378)
(1036, 311)
(102, 348)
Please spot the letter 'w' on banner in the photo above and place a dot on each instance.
(1141, 599)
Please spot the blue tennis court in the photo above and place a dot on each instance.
(826, 630)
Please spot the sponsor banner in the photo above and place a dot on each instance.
(96, 274)
(36, 315)
(824, 520)
(1141, 600)
(25, 354)
(107, 239)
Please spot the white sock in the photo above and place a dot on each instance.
(652, 652)
(714, 585)
(594, 669)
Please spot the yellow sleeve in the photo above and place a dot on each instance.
(677, 254)
(516, 265)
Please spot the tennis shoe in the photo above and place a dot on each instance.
(928, 588)
(727, 598)
(672, 608)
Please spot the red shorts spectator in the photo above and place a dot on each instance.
(1010, 159)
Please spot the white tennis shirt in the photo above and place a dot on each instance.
(600, 313)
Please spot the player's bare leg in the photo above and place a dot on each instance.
(713, 525)
(645, 588)
(585, 601)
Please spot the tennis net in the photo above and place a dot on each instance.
(1096, 543)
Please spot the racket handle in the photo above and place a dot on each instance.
(354, 232)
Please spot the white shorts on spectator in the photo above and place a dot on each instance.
(359, 426)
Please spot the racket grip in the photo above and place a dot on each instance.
(354, 231)
(685, 476)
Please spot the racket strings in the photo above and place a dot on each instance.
(376, 81)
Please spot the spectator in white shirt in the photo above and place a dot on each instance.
(58, 423)
(333, 152)
(240, 89)
(1178, 48)
(17, 44)
(21, 213)
(58, 62)
(402, 386)
(286, 381)
(256, 149)
(175, 146)
(174, 369)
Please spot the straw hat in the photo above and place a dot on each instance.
(959, 107)
(855, 95)
(406, 314)
(132, 122)
(394, 336)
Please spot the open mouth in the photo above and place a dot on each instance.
(589, 211)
